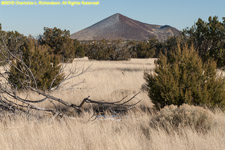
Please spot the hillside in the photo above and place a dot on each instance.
(121, 27)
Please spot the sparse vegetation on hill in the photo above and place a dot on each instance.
(121, 27)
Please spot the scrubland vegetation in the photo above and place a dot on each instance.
(185, 128)
(182, 91)
(172, 127)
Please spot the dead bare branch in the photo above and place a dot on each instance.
(12, 102)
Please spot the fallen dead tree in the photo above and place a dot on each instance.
(11, 101)
(27, 106)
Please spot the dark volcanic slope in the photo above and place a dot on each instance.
(121, 27)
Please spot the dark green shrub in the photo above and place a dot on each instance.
(108, 50)
(147, 49)
(15, 42)
(44, 67)
(208, 38)
(3, 36)
(60, 42)
(182, 77)
(79, 49)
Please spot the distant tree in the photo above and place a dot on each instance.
(132, 48)
(60, 42)
(79, 49)
(108, 50)
(182, 77)
(119, 50)
(98, 50)
(146, 49)
(209, 39)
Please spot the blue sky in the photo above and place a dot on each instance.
(177, 13)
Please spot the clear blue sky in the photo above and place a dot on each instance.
(177, 13)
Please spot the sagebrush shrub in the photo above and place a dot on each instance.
(172, 118)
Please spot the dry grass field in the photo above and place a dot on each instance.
(106, 80)
(184, 128)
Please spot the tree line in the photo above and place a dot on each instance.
(54, 46)
(186, 69)
(207, 37)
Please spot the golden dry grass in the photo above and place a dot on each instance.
(135, 131)
(130, 132)
(104, 80)
(107, 80)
